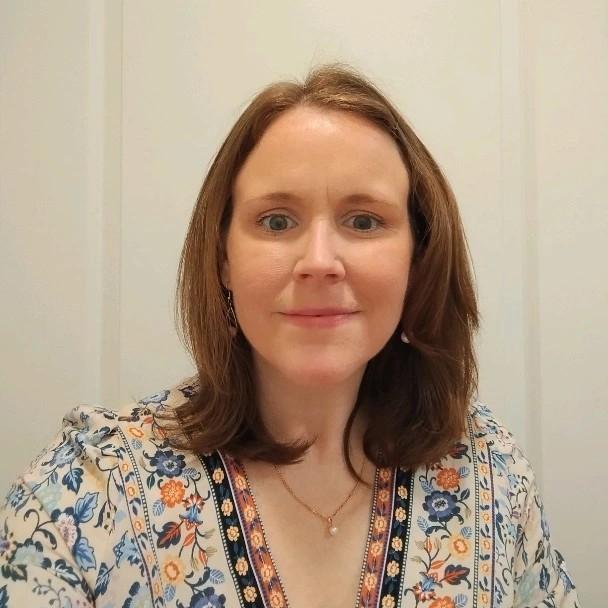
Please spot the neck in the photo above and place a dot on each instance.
(299, 412)
(294, 412)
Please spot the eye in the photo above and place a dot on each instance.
(360, 225)
(276, 225)
(273, 223)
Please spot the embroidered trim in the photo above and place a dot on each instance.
(395, 561)
(238, 554)
(377, 543)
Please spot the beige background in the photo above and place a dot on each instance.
(110, 113)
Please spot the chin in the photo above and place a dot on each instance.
(318, 376)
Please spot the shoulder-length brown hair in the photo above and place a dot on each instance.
(420, 392)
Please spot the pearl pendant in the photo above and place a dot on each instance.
(333, 530)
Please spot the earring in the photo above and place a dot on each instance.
(404, 338)
(232, 322)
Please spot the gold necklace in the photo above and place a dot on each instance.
(331, 527)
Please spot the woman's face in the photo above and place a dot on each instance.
(319, 244)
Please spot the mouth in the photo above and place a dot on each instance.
(320, 321)
(319, 312)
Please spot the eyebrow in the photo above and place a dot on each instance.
(290, 197)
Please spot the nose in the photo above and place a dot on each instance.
(320, 255)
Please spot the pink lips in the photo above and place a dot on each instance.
(313, 318)
(319, 311)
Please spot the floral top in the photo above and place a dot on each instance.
(110, 515)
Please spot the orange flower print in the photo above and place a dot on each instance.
(459, 546)
(397, 544)
(370, 581)
(171, 492)
(388, 602)
(380, 524)
(241, 566)
(402, 491)
(173, 569)
(133, 430)
(385, 474)
(383, 495)
(276, 599)
(240, 482)
(257, 539)
(266, 572)
(448, 478)
(218, 475)
(400, 514)
(375, 549)
(249, 513)
(227, 507)
(232, 533)
(250, 594)
(392, 568)
(442, 602)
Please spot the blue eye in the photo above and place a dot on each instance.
(271, 224)
(271, 215)
(368, 217)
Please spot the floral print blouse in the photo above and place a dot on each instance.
(110, 515)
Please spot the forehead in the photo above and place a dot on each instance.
(309, 148)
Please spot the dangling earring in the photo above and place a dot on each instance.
(404, 338)
(232, 323)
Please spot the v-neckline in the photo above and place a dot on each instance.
(263, 564)
(371, 518)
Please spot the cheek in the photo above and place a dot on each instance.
(257, 277)
(383, 277)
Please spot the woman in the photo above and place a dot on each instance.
(330, 450)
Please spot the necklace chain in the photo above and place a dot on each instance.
(328, 518)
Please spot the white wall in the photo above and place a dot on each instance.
(110, 113)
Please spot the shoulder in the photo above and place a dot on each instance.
(79, 493)
(502, 468)
(488, 434)
(91, 441)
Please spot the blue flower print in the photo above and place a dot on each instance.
(156, 398)
(49, 496)
(441, 506)
(64, 454)
(126, 549)
(68, 523)
(167, 463)
(206, 599)
(188, 391)
(544, 524)
(194, 505)
(30, 553)
(15, 495)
